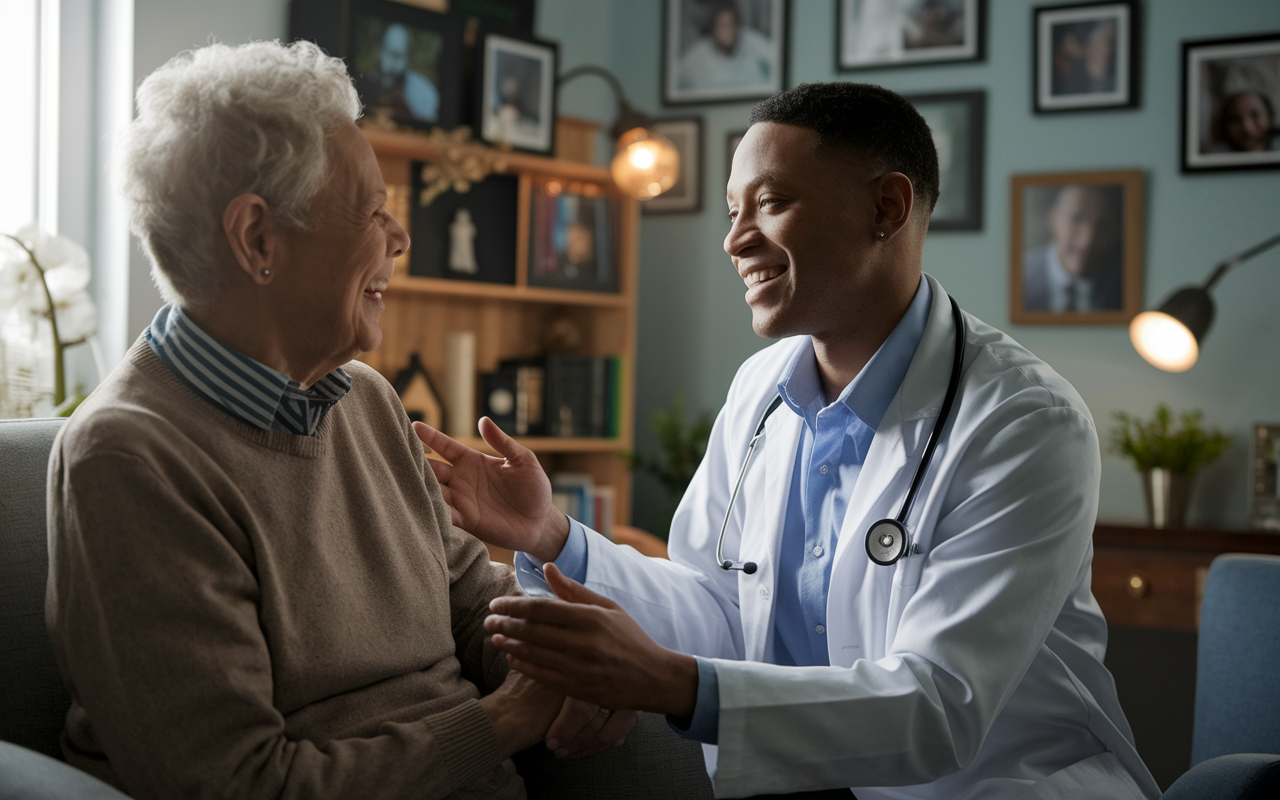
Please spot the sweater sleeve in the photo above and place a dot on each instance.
(474, 580)
(153, 610)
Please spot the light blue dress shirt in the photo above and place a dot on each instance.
(246, 389)
(832, 449)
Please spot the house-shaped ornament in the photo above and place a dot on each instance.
(418, 394)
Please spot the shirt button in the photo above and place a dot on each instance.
(820, 630)
(817, 551)
(764, 592)
(823, 469)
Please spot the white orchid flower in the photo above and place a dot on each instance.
(66, 274)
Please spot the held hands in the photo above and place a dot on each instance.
(503, 501)
(586, 644)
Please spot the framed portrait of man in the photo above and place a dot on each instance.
(957, 122)
(723, 50)
(518, 93)
(1086, 56)
(896, 33)
(1230, 97)
(1076, 250)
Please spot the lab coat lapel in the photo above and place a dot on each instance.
(859, 598)
(761, 541)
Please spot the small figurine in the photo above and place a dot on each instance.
(462, 240)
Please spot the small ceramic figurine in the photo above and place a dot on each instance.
(462, 240)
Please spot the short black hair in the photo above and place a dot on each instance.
(869, 121)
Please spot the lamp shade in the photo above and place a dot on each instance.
(1170, 337)
(646, 164)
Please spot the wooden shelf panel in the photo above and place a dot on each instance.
(502, 291)
(420, 148)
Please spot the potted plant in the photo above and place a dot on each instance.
(682, 446)
(1168, 457)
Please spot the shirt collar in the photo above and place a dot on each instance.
(247, 389)
(868, 395)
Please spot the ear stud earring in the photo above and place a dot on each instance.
(266, 273)
(880, 235)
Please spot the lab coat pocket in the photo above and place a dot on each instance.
(1100, 777)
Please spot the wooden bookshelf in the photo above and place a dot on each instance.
(509, 320)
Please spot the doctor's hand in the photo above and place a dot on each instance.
(503, 501)
(584, 729)
(585, 644)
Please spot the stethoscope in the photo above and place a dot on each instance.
(887, 540)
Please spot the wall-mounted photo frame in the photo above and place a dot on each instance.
(572, 235)
(686, 195)
(731, 141)
(405, 61)
(720, 51)
(958, 123)
(1076, 248)
(898, 33)
(1086, 56)
(517, 95)
(469, 236)
(1264, 459)
(1230, 100)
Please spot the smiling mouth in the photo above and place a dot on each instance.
(374, 291)
(756, 277)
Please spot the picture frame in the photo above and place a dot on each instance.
(958, 123)
(572, 240)
(406, 61)
(1264, 491)
(478, 246)
(686, 195)
(1076, 245)
(1230, 103)
(911, 33)
(516, 96)
(1086, 56)
(723, 51)
(731, 141)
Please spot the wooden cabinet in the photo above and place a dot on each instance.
(509, 320)
(1148, 578)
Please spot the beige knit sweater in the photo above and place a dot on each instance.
(252, 614)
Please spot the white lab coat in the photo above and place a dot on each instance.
(973, 669)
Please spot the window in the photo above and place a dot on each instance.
(29, 31)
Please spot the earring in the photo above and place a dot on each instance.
(880, 235)
(266, 273)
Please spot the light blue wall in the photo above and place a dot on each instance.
(694, 328)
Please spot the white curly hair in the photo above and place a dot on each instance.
(218, 122)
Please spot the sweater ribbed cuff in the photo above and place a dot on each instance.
(467, 742)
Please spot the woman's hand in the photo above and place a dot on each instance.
(586, 644)
(521, 711)
(503, 501)
(584, 729)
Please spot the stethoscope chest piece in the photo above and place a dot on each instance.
(886, 542)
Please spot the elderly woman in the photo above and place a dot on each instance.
(255, 587)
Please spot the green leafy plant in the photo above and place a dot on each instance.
(1158, 444)
(681, 448)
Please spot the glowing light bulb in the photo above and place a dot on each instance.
(646, 165)
(1164, 341)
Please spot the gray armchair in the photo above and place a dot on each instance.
(654, 763)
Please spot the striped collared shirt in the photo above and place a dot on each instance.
(246, 389)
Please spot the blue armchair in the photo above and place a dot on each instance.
(1237, 725)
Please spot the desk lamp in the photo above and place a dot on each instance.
(646, 163)
(1170, 336)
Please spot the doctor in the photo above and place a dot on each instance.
(972, 667)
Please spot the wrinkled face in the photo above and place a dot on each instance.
(1247, 122)
(394, 59)
(801, 231)
(724, 31)
(334, 275)
(1077, 224)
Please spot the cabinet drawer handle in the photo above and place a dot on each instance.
(1137, 586)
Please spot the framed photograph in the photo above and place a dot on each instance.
(731, 141)
(1086, 56)
(1264, 453)
(467, 236)
(686, 195)
(517, 97)
(572, 235)
(1076, 254)
(1230, 94)
(897, 33)
(723, 50)
(405, 61)
(957, 121)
